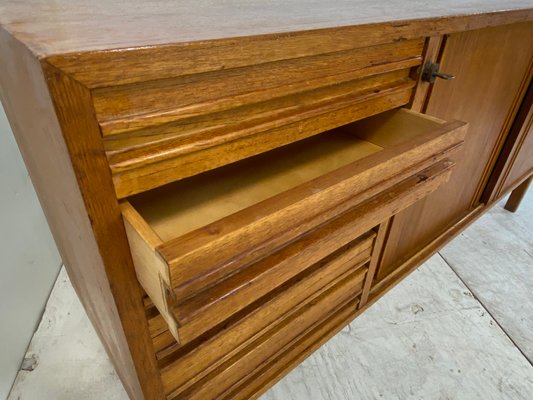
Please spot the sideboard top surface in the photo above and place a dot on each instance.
(72, 26)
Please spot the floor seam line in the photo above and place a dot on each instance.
(530, 362)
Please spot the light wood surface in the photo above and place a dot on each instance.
(75, 25)
(192, 203)
(230, 290)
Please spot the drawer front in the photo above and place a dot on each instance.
(204, 277)
(275, 341)
(213, 306)
(200, 358)
(160, 131)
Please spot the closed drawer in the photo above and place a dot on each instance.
(183, 367)
(270, 343)
(159, 131)
(207, 246)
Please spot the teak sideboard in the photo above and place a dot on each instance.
(230, 186)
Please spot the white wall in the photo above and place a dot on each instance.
(29, 262)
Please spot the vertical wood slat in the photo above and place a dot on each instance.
(432, 50)
(377, 251)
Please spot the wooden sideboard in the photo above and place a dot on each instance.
(229, 187)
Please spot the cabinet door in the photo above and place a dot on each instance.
(492, 68)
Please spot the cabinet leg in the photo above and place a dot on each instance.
(517, 195)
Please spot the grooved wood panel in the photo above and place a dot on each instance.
(492, 68)
(164, 130)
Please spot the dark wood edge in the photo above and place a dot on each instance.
(517, 195)
(136, 63)
(510, 150)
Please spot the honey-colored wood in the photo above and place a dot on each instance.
(185, 206)
(51, 119)
(340, 231)
(142, 166)
(181, 55)
(275, 341)
(113, 100)
(380, 287)
(285, 215)
(492, 68)
(127, 108)
(151, 270)
(184, 367)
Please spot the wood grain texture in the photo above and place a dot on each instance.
(198, 310)
(167, 129)
(139, 168)
(150, 268)
(184, 367)
(73, 106)
(492, 68)
(213, 55)
(138, 97)
(76, 26)
(74, 216)
(432, 52)
(377, 209)
(275, 342)
(124, 108)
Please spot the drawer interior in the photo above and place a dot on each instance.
(189, 204)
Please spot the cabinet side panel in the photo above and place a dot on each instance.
(63, 195)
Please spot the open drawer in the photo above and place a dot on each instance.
(208, 245)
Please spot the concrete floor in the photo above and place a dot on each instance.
(459, 327)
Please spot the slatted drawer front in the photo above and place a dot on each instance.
(159, 131)
(285, 313)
